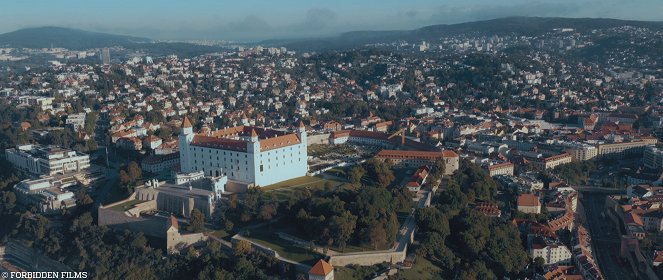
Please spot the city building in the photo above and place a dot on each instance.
(181, 199)
(415, 159)
(529, 203)
(76, 121)
(46, 194)
(653, 221)
(553, 161)
(248, 155)
(160, 163)
(46, 160)
(552, 251)
(489, 209)
(176, 240)
(653, 157)
(581, 152)
(105, 56)
(505, 168)
(617, 150)
(321, 270)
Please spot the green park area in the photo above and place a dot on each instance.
(283, 190)
(126, 205)
(267, 236)
(422, 269)
(317, 150)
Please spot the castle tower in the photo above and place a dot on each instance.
(254, 135)
(255, 164)
(185, 138)
(301, 132)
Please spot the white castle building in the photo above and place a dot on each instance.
(248, 155)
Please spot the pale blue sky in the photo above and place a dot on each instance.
(265, 19)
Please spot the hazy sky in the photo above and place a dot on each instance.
(266, 19)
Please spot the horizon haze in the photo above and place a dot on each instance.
(263, 20)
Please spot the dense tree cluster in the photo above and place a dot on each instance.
(464, 243)
(258, 205)
(129, 176)
(366, 216)
(474, 182)
(108, 254)
(575, 173)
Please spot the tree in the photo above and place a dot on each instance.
(342, 228)
(539, 263)
(267, 211)
(196, 221)
(8, 202)
(433, 247)
(380, 172)
(378, 237)
(40, 227)
(355, 175)
(431, 219)
(504, 250)
(242, 247)
(437, 170)
(472, 232)
(134, 171)
(125, 179)
(477, 270)
(83, 198)
(164, 132)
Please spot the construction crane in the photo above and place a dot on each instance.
(401, 132)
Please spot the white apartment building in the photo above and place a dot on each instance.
(47, 160)
(76, 121)
(552, 251)
(581, 152)
(653, 157)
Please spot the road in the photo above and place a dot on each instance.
(103, 190)
(605, 239)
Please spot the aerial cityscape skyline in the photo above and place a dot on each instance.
(204, 139)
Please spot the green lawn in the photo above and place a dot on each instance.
(354, 272)
(219, 233)
(354, 249)
(267, 237)
(422, 269)
(127, 205)
(300, 181)
(283, 190)
(338, 171)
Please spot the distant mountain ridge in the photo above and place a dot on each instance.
(527, 26)
(59, 37)
(75, 39)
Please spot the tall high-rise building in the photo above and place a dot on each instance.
(105, 56)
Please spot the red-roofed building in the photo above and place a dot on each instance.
(505, 168)
(419, 158)
(248, 155)
(489, 209)
(322, 270)
(529, 203)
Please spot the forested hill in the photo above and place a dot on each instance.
(526, 26)
(75, 39)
